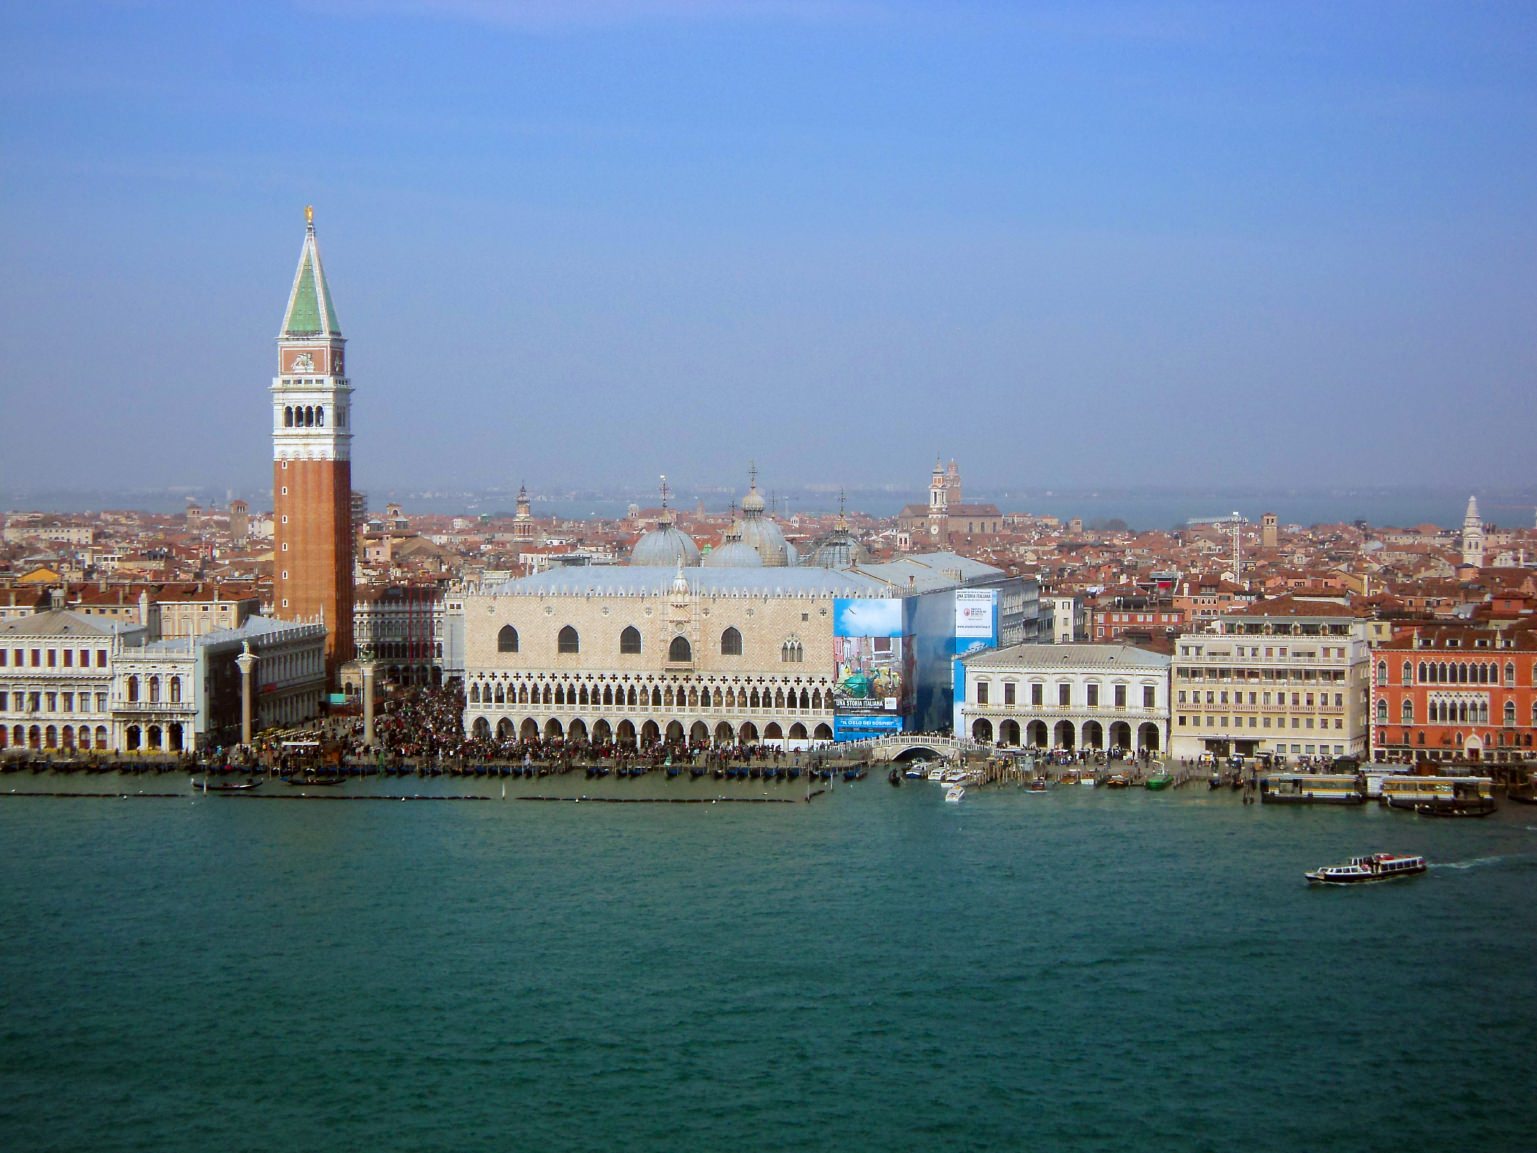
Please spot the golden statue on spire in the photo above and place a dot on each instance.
(309, 214)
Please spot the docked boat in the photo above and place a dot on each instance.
(1479, 807)
(1039, 785)
(1159, 779)
(1411, 789)
(1310, 789)
(305, 781)
(954, 793)
(1117, 781)
(1364, 870)
(203, 786)
(1523, 794)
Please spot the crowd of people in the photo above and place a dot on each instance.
(426, 725)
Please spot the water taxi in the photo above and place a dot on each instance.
(954, 793)
(1362, 870)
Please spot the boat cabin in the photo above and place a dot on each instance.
(1311, 789)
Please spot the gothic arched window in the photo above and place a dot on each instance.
(507, 640)
(731, 643)
(680, 650)
(568, 641)
(629, 640)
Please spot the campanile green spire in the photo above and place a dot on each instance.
(310, 311)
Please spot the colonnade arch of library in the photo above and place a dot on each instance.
(629, 709)
(1066, 735)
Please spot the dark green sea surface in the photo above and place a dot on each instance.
(877, 970)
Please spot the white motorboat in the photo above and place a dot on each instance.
(1362, 870)
(954, 793)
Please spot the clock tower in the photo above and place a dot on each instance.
(312, 462)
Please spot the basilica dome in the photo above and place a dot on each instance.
(665, 546)
(761, 534)
(838, 549)
(734, 554)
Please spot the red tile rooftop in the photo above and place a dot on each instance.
(1292, 607)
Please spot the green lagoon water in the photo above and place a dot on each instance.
(876, 970)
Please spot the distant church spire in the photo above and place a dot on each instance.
(1473, 535)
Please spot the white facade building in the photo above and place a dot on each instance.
(643, 655)
(56, 673)
(74, 683)
(1067, 696)
(1285, 679)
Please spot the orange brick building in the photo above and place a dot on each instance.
(1447, 692)
(312, 462)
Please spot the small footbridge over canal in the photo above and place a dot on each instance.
(912, 747)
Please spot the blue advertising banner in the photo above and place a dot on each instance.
(976, 628)
(861, 726)
(864, 617)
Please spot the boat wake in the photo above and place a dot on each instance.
(1482, 862)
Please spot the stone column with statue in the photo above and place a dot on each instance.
(247, 662)
(366, 660)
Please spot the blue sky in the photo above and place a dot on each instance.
(1099, 243)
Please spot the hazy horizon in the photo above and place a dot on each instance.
(1141, 509)
(1109, 245)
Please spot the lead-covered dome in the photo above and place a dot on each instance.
(665, 546)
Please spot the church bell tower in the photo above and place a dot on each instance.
(1473, 535)
(312, 462)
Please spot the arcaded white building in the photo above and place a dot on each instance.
(69, 683)
(637, 655)
(1067, 696)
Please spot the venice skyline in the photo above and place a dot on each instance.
(1139, 244)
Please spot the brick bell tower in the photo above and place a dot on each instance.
(312, 462)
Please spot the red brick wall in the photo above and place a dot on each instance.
(318, 557)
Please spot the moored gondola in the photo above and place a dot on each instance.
(226, 786)
(1480, 807)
